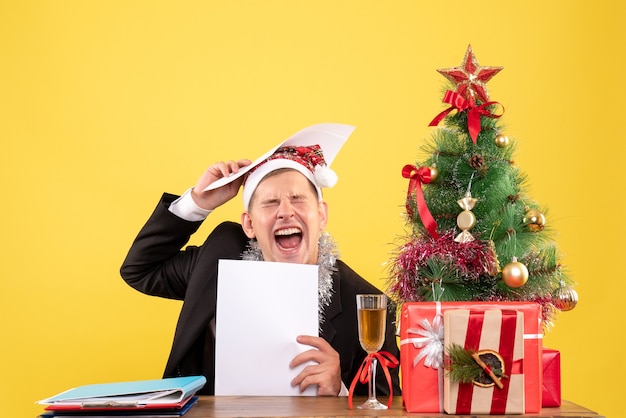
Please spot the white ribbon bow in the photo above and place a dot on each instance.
(430, 343)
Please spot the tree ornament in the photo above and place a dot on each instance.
(416, 177)
(434, 173)
(466, 219)
(470, 78)
(501, 140)
(515, 274)
(477, 162)
(534, 220)
(564, 297)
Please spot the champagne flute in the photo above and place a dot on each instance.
(372, 316)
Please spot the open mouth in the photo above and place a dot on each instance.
(288, 238)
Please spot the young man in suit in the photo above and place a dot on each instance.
(283, 220)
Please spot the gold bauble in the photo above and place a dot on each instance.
(564, 298)
(535, 220)
(501, 140)
(466, 220)
(515, 274)
(434, 173)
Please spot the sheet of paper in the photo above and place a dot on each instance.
(261, 308)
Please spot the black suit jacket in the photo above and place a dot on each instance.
(158, 265)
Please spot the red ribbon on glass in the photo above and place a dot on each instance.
(458, 102)
(386, 360)
(417, 176)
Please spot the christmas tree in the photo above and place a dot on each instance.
(473, 233)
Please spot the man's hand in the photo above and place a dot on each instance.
(326, 374)
(211, 199)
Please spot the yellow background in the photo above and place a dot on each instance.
(106, 104)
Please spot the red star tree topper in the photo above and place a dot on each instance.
(470, 78)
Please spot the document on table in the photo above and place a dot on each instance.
(261, 308)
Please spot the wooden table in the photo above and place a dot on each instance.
(305, 406)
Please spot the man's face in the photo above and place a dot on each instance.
(286, 218)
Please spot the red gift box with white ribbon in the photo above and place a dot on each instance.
(495, 338)
(421, 352)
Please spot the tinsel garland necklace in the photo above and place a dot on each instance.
(326, 258)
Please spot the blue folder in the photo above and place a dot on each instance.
(134, 393)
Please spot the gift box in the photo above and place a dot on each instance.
(491, 343)
(421, 352)
(551, 386)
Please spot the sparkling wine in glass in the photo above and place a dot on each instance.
(372, 316)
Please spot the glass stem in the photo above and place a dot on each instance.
(372, 384)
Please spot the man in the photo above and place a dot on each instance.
(283, 221)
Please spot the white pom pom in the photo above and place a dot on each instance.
(324, 176)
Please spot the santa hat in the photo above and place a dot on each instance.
(309, 151)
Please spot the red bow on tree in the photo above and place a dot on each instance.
(417, 176)
(458, 102)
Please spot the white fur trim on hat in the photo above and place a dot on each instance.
(259, 174)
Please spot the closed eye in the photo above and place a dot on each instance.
(269, 203)
(293, 199)
(298, 199)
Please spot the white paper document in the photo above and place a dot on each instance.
(261, 308)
